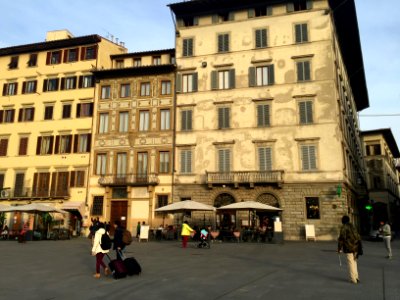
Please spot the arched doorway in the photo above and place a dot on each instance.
(225, 218)
(266, 219)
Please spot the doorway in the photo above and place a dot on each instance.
(119, 211)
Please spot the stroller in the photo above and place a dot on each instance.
(204, 240)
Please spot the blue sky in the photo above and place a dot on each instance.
(147, 25)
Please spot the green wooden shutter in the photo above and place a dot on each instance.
(298, 35)
(307, 71)
(304, 33)
(290, 7)
(303, 113)
(224, 160)
(313, 160)
(178, 83)
(251, 13)
(214, 80)
(261, 38)
(263, 115)
(305, 158)
(252, 76)
(265, 159)
(271, 75)
(300, 71)
(232, 81)
(195, 79)
(269, 10)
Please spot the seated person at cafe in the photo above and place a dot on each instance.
(5, 232)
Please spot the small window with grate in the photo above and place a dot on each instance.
(97, 207)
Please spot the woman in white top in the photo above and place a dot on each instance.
(99, 252)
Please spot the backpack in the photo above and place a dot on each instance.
(105, 242)
(127, 237)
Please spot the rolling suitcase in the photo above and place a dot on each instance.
(132, 265)
(117, 268)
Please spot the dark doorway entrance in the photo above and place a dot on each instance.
(119, 211)
(226, 219)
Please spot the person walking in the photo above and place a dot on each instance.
(348, 242)
(386, 232)
(185, 233)
(98, 251)
(138, 230)
(118, 244)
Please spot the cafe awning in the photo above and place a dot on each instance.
(74, 207)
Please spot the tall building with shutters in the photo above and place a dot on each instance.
(131, 170)
(266, 110)
(46, 110)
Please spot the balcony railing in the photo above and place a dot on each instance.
(23, 193)
(129, 179)
(245, 177)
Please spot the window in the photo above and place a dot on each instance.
(89, 53)
(222, 80)
(63, 144)
(10, 89)
(26, 114)
(50, 84)
(3, 146)
(105, 92)
(13, 62)
(66, 111)
(1, 181)
(186, 120)
(144, 120)
(48, 112)
(23, 146)
(68, 83)
(263, 118)
(82, 143)
(103, 123)
(165, 87)
(119, 192)
(53, 57)
(121, 165)
(142, 164)
(261, 76)
(265, 158)
(187, 47)
(306, 112)
(137, 62)
(223, 42)
(223, 117)
(32, 62)
(165, 119)
(19, 185)
(261, 38)
(71, 55)
(224, 160)
(7, 116)
(145, 89)
(374, 149)
(44, 145)
(164, 162)
(86, 81)
(41, 184)
(123, 121)
(77, 179)
(162, 200)
(84, 110)
(125, 90)
(156, 60)
(119, 64)
(97, 207)
(186, 161)
(187, 83)
(303, 71)
(29, 87)
(299, 5)
(301, 34)
(312, 208)
(308, 157)
(101, 164)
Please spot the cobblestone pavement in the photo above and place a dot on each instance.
(293, 270)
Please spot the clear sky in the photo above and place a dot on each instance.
(147, 25)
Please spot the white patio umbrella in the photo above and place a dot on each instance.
(37, 208)
(187, 205)
(250, 205)
(4, 208)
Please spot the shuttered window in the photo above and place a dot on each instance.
(265, 158)
(261, 76)
(187, 47)
(223, 117)
(165, 119)
(224, 160)
(186, 161)
(223, 80)
(66, 111)
(186, 83)
(301, 33)
(19, 184)
(186, 120)
(164, 162)
(123, 117)
(263, 118)
(261, 38)
(105, 92)
(303, 71)
(101, 164)
(145, 89)
(3, 147)
(23, 146)
(121, 164)
(26, 114)
(103, 123)
(306, 112)
(223, 43)
(308, 157)
(29, 87)
(44, 145)
(144, 120)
